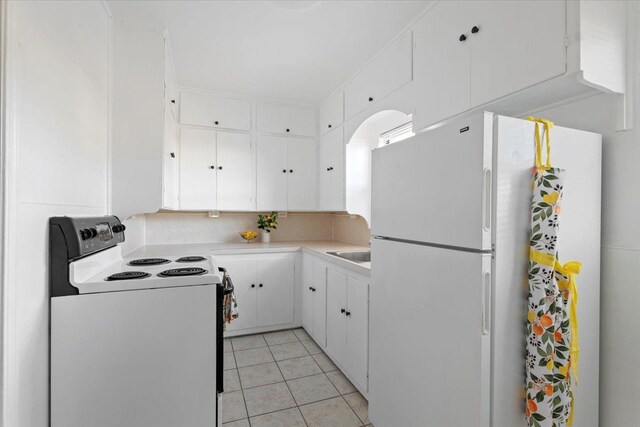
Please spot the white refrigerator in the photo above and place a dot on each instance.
(450, 220)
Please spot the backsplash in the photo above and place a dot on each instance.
(351, 229)
(169, 227)
(195, 227)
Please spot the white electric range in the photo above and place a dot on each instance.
(134, 342)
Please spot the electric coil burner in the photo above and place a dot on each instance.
(149, 261)
(191, 259)
(128, 275)
(185, 271)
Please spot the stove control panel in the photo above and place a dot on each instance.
(86, 235)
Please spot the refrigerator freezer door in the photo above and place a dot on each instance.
(430, 330)
(436, 186)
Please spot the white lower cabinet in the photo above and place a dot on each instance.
(345, 312)
(264, 289)
(314, 299)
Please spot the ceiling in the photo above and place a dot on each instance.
(289, 51)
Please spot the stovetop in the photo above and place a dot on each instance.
(109, 272)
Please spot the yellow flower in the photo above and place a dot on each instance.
(551, 198)
(550, 365)
(531, 316)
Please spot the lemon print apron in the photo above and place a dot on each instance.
(552, 331)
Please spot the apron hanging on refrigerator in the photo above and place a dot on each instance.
(552, 328)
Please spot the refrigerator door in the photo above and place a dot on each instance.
(436, 186)
(430, 311)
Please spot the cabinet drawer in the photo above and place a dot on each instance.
(332, 112)
(387, 72)
(213, 111)
(286, 120)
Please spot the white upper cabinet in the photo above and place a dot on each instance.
(235, 172)
(387, 72)
(514, 45)
(331, 170)
(331, 114)
(511, 57)
(198, 169)
(170, 84)
(301, 175)
(441, 61)
(272, 173)
(202, 109)
(272, 118)
(286, 174)
(215, 170)
(171, 163)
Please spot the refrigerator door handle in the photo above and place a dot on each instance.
(486, 303)
(486, 199)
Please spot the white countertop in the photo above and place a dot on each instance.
(318, 248)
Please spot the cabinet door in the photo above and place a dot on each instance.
(272, 173)
(387, 72)
(518, 44)
(242, 270)
(171, 166)
(358, 330)
(320, 303)
(442, 63)
(324, 173)
(336, 315)
(307, 294)
(301, 174)
(170, 87)
(197, 169)
(332, 112)
(275, 277)
(338, 186)
(288, 120)
(235, 171)
(207, 110)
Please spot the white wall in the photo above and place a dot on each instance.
(57, 94)
(620, 286)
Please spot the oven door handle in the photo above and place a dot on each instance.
(227, 283)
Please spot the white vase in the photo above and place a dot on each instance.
(266, 237)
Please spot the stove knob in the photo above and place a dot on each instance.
(93, 232)
(118, 228)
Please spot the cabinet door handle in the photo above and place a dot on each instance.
(212, 167)
(284, 171)
(462, 37)
(313, 289)
(260, 285)
(371, 99)
(173, 101)
(290, 170)
(310, 288)
(173, 155)
(219, 167)
(253, 285)
(475, 29)
(342, 310)
(348, 313)
(328, 169)
(288, 130)
(329, 126)
(216, 122)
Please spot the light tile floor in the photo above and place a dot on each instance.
(283, 379)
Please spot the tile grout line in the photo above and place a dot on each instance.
(268, 346)
(286, 384)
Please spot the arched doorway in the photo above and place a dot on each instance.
(380, 128)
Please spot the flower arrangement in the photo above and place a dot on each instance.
(268, 221)
(249, 235)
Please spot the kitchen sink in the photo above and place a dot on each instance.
(360, 257)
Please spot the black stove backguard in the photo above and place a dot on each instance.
(71, 239)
